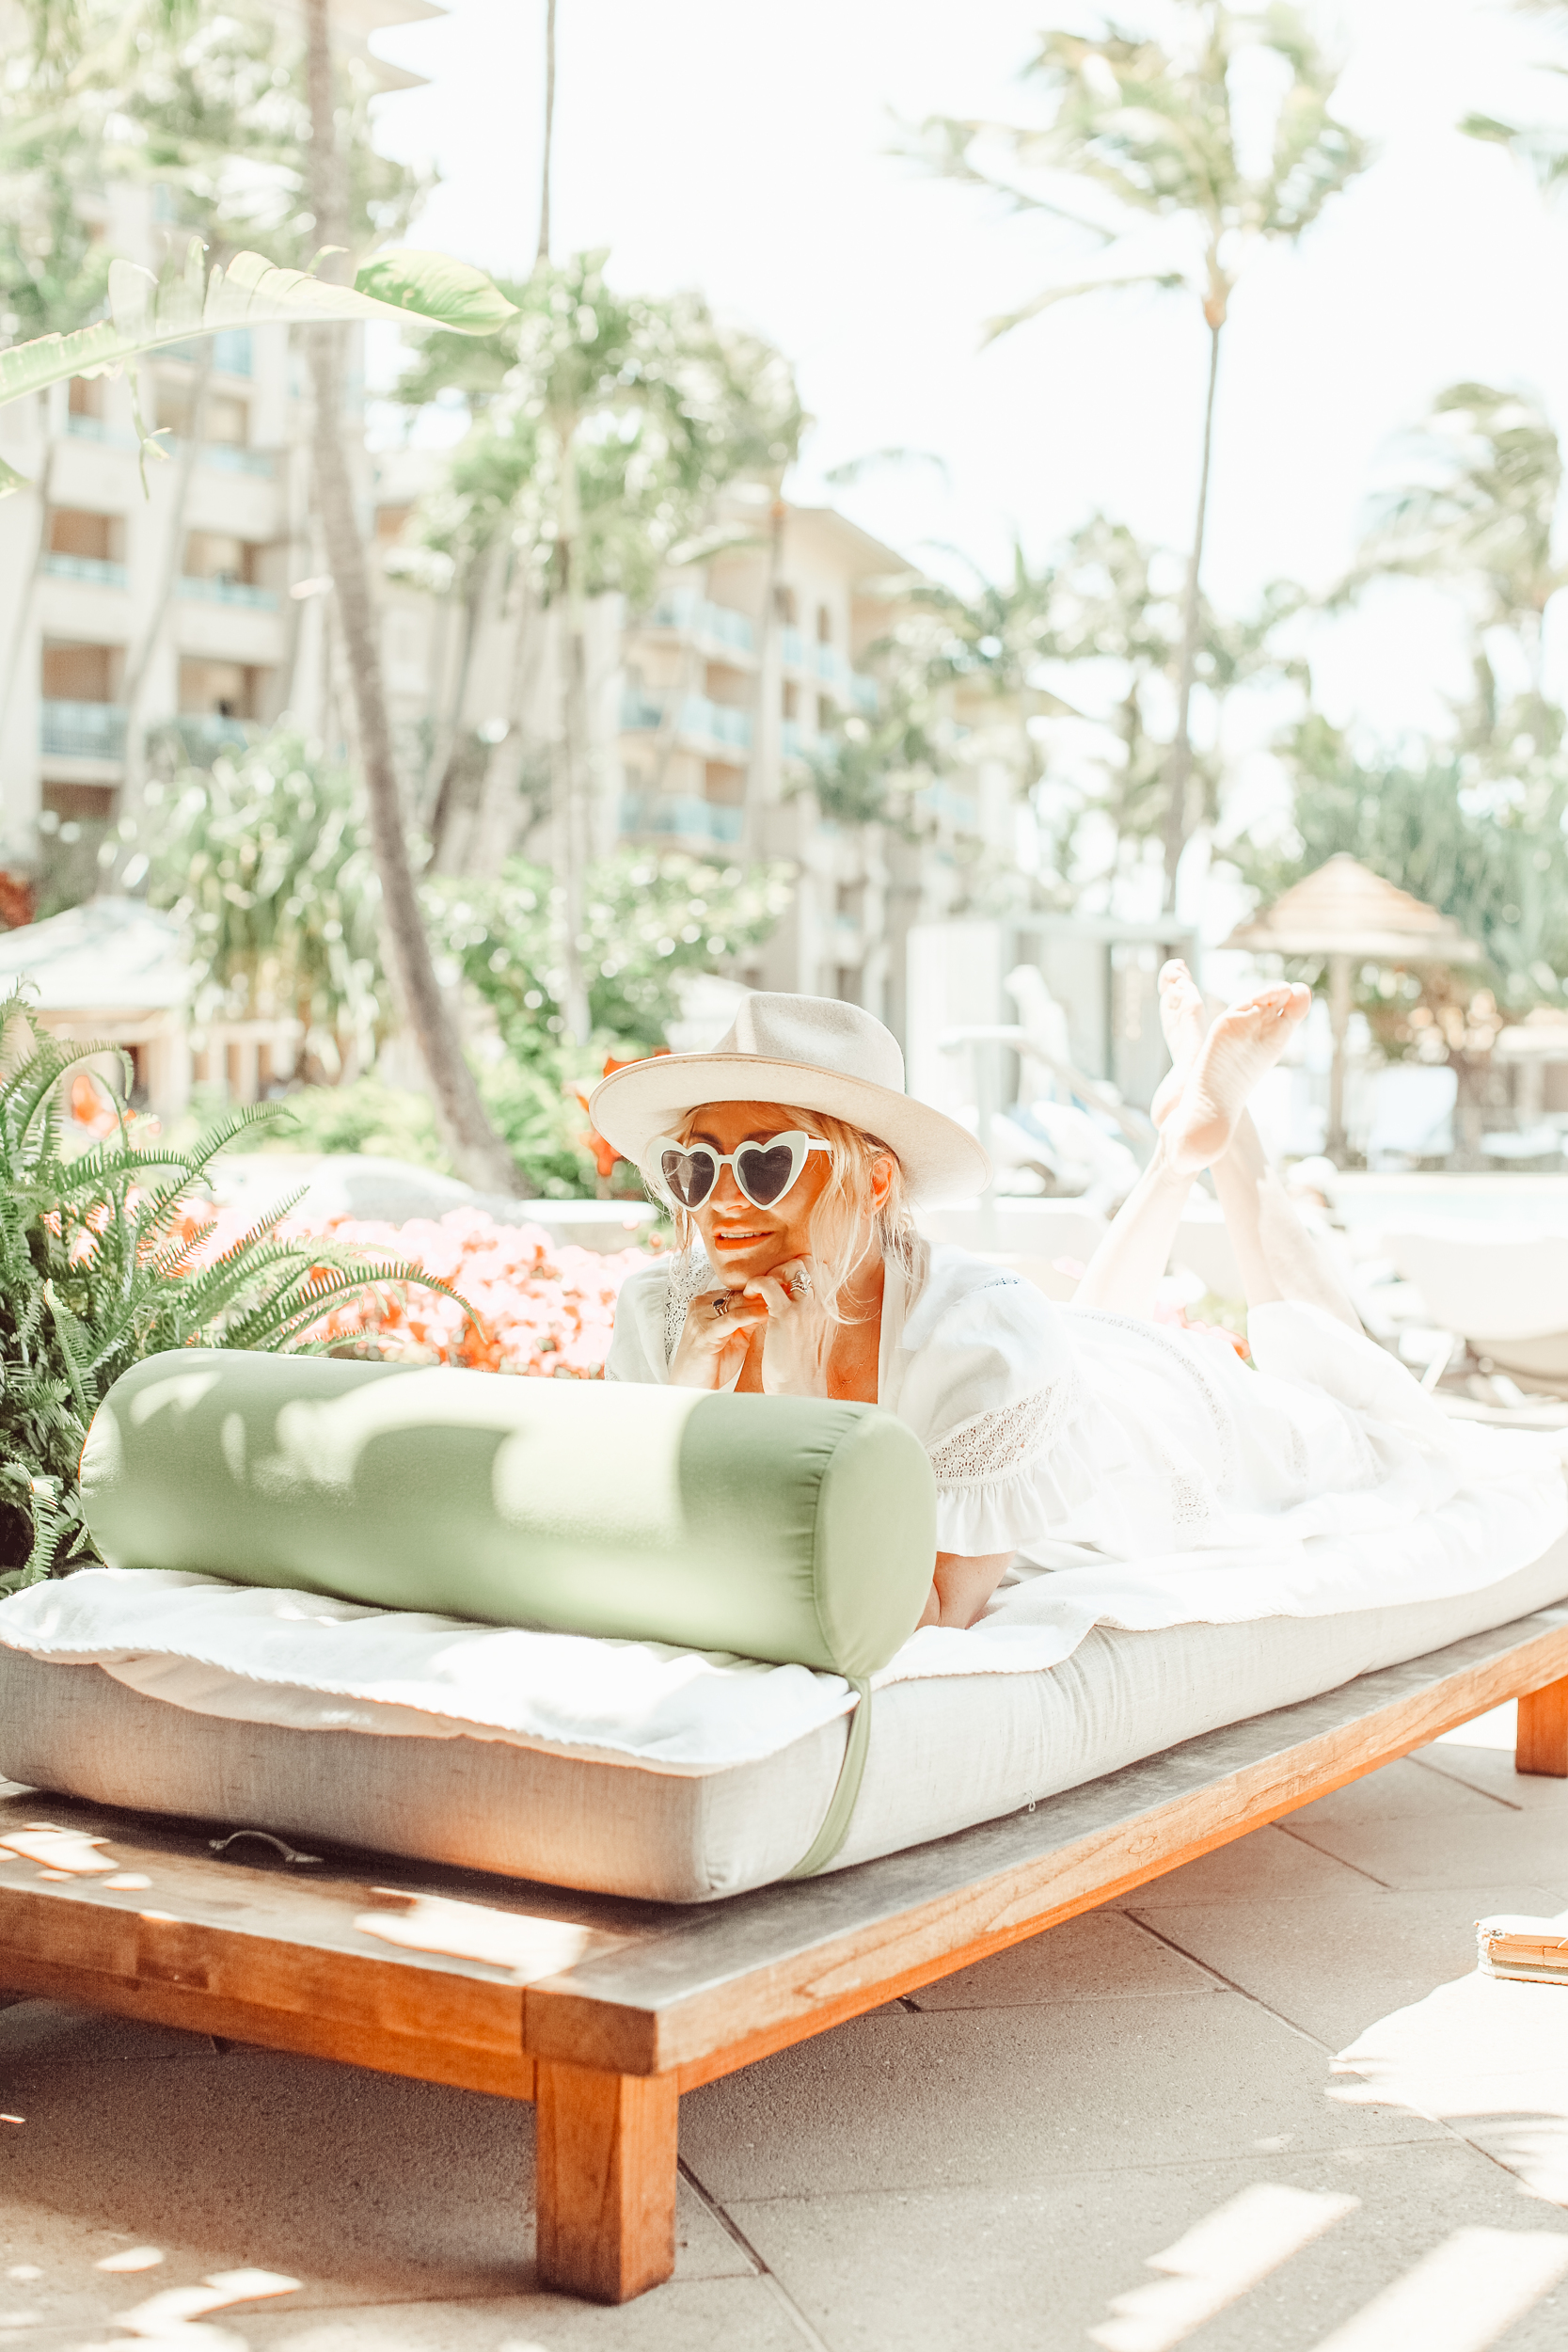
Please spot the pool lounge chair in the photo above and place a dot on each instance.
(1507, 1297)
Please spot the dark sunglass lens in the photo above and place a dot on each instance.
(766, 1169)
(688, 1175)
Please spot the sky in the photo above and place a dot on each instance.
(746, 148)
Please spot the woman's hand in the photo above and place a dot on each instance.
(796, 1335)
(711, 1350)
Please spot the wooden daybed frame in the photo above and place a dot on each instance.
(663, 1997)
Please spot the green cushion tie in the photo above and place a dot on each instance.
(836, 1826)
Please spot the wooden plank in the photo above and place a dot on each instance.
(415, 1979)
(606, 2175)
(505, 2073)
(1541, 1742)
(771, 1968)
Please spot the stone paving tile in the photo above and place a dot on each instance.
(1333, 1967)
(743, 2314)
(1487, 2055)
(1101, 1956)
(1269, 1865)
(1016, 2097)
(61, 2033)
(1400, 1792)
(1034, 2269)
(1454, 1850)
(1491, 1770)
(366, 2188)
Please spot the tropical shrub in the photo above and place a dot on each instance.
(266, 860)
(103, 1261)
(539, 1307)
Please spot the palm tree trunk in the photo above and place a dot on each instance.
(1179, 766)
(574, 741)
(481, 1155)
(543, 254)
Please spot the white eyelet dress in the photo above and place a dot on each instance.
(1047, 1424)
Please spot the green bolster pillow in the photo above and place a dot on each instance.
(791, 1529)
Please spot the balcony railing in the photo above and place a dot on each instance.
(864, 693)
(228, 457)
(230, 351)
(81, 730)
(709, 722)
(85, 428)
(960, 809)
(702, 618)
(220, 591)
(792, 648)
(684, 815)
(206, 735)
(794, 742)
(95, 568)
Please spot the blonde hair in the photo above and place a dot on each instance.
(841, 1207)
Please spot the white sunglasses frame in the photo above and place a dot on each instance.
(800, 1144)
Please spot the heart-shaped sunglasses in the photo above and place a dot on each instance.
(762, 1172)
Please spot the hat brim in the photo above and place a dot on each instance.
(941, 1160)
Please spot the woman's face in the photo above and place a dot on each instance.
(740, 1240)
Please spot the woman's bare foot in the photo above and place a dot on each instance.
(1244, 1042)
(1185, 1025)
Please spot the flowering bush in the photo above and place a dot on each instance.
(542, 1308)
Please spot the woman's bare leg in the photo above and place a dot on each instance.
(1279, 1257)
(1198, 1129)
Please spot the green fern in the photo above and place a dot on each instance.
(101, 1265)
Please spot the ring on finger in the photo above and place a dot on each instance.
(800, 1286)
(721, 1304)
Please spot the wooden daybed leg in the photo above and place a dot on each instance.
(1542, 1741)
(606, 2181)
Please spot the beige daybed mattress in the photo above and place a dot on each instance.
(945, 1752)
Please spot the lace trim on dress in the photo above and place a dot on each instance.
(994, 1445)
(689, 1274)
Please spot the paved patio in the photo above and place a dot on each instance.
(1131, 2133)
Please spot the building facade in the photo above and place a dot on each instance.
(704, 710)
(186, 614)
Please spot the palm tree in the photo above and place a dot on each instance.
(543, 254)
(1478, 513)
(101, 47)
(1144, 129)
(630, 416)
(479, 1152)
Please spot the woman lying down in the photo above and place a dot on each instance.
(792, 1159)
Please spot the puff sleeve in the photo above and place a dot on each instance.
(984, 1373)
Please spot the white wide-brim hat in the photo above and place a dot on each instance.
(813, 1052)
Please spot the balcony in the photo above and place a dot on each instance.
(864, 693)
(794, 742)
(684, 815)
(707, 721)
(698, 617)
(958, 809)
(85, 428)
(92, 568)
(228, 457)
(792, 649)
(230, 351)
(205, 734)
(81, 731)
(220, 591)
(831, 665)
